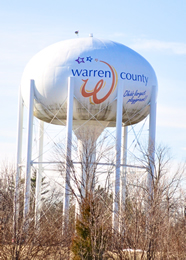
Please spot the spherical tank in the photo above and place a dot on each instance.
(99, 67)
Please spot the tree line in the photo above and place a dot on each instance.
(152, 224)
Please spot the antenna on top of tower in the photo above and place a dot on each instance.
(77, 33)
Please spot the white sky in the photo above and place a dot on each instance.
(155, 29)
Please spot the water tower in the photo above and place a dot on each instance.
(100, 82)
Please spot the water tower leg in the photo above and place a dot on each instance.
(116, 210)
(124, 161)
(29, 154)
(152, 137)
(83, 173)
(123, 176)
(66, 201)
(39, 175)
(19, 160)
(92, 182)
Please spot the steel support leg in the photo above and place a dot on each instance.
(116, 205)
(39, 175)
(66, 202)
(152, 138)
(18, 161)
(29, 154)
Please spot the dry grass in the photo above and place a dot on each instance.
(56, 253)
(35, 252)
(127, 255)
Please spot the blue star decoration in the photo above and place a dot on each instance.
(89, 58)
(80, 60)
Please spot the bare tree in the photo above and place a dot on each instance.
(152, 223)
(94, 203)
(32, 243)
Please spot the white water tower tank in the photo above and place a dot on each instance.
(97, 66)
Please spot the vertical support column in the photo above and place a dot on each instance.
(124, 161)
(116, 205)
(123, 177)
(83, 173)
(92, 175)
(152, 137)
(18, 161)
(29, 153)
(39, 175)
(66, 201)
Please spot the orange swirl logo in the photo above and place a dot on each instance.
(92, 94)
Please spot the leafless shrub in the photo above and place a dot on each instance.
(32, 242)
(153, 220)
(152, 223)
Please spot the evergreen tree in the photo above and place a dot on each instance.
(92, 227)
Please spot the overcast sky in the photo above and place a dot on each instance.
(155, 29)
